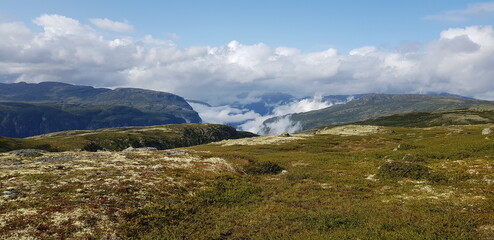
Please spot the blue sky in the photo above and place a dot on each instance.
(234, 51)
(216, 51)
(306, 25)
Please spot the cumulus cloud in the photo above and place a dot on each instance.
(462, 15)
(115, 26)
(459, 61)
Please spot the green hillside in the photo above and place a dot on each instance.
(469, 116)
(117, 139)
(377, 105)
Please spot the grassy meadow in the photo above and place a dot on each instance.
(359, 183)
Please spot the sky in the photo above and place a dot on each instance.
(216, 50)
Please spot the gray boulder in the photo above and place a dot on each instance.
(28, 152)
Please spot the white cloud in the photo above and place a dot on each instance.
(148, 39)
(251, 121)
(223, 114)
(57, 26)
(115, 26)
(460, 61)
(281, 125)
(304, 105)
(462, 15)
(285, 124)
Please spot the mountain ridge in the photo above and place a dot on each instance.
(28, 109)
(376, 105)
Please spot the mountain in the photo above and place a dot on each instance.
(445, 94)
(198, 102)
(32, 109)
(376, 105)
(47, 92)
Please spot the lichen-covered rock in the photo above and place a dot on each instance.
(486, 131)
(132, 149)
(175, 152)
(28, 152)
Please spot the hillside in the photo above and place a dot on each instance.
(117, 139)
(469, 116)
(377, 105)
(347, 182)
(33, 109)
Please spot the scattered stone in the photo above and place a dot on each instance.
(174, 152)
(486, 131)
(285, 134)
(371, 177)
(9, 193)
(404, 147)
(131, 149)
(297, 164)
(56, 158)
(28, 152)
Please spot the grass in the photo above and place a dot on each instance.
(436, 185)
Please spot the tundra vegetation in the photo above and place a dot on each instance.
(352, 182)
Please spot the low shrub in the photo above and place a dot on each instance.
(410, 170)
(412, 158)
(258, 168)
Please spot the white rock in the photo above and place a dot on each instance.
(486, 131)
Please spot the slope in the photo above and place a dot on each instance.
(376, 105)
(117, 139)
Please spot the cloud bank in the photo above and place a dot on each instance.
(459, 61)
(249, 120)
(285, 124)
